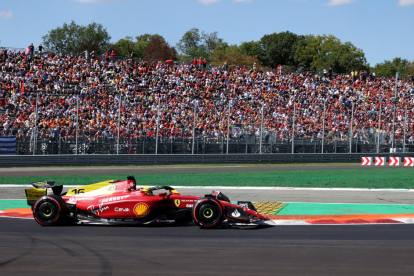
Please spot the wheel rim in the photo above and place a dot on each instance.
(208, 213)
(47, 211)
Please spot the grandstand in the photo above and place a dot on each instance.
(57, 104)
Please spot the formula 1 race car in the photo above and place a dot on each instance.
(121, 202)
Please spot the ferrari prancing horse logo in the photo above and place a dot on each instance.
(177, 202)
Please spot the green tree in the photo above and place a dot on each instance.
(142, 42)
(325, 51)
(251, 48)
(390, 68)
(234, 56)
(190, 43)
(211, 42)
(73, 38)
(127, 45)
(279, 48)
(194, 44)
(410, 69)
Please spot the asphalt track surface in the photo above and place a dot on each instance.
(27, 248)
(30, 249)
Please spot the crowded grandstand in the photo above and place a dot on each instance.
(91, 97)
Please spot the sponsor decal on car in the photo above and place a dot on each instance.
(35, 194)
(235, 213)
(99, 210)
(117, 209)
(81, 198)
(113, 198)
(141, 209)
(177, 202)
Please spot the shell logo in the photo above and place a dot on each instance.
(141, 209)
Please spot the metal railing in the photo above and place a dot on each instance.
(248, 144)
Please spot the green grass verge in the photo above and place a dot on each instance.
(198, 165)
(345, 178)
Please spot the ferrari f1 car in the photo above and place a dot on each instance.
(121, 202)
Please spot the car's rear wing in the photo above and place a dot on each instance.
(41, 189)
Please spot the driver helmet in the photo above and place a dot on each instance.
(132, 182)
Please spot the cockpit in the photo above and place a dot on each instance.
(150, 190)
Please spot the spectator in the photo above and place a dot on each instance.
(31, 49)
(40, 47)
(62, 78)
(93, 56)
(204, 64)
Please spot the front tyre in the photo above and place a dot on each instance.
(207, 213)
(47, 211)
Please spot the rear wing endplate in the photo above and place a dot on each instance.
(41, 189)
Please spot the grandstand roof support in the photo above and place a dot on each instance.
(293, 128)
(194, 121)
(261, 129)
(405, 126)
(350, 129)
(379, 129)
(323, 124)
(35, 126)
(158, 122)
(119, 123)
(395, 107)
(228, 127)
(77, 122)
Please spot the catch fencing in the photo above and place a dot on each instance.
(244, 145)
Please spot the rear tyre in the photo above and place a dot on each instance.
(47, 211)
(207, 213)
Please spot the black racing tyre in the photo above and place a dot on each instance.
(207, 213)
(47, 211)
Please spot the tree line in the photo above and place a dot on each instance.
(294, 52)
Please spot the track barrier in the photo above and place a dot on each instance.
(380, 161)
(408, 162)
(395, 161)
(366, 161)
